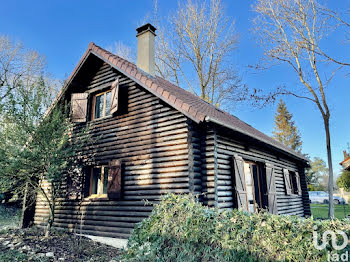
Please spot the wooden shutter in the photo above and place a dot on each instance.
(69, 183)
(271, 188)
(79, 107)
(297, 178)
(287, 184)
(114, 179)
(114, 96)
(239, 179)
(87, 177)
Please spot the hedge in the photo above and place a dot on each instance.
(181, 229)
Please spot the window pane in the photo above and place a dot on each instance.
(108, 103)
(96, 176)
(105, 180)
(99, 106)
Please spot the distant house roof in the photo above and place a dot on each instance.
(346, 163)
(187, 103)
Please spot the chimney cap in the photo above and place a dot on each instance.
(146, 27)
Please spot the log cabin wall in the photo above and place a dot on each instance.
(160, 153)
(229, 143)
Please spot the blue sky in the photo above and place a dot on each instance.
(62, 30)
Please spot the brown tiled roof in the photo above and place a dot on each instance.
(346, 163)
(187, 103)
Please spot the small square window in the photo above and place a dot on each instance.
(101, 105)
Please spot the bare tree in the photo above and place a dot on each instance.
(291, 32)
(18, 66)
(123, 50)
(195, 48)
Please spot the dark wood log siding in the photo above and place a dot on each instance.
(227, 146)
(158, 154)
(208, 168)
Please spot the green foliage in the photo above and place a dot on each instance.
(20, 116)
(285, 130)
(343, 180)
(36, 147)
(13, 255)
(317, 175)
(181, 229)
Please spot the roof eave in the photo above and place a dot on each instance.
(213, 120)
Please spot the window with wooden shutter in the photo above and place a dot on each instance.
(271, 188)
(239, 179)
(287, 182)
(98, 181)
(79, 103)
(101, 105)
(114, 96)
(114, 179)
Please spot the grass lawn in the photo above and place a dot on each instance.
(321, 210)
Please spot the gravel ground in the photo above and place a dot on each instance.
(30, 245)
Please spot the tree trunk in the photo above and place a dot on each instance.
(330, 167)
(48, 228)
(51, 219)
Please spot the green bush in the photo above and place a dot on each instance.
(181, 229)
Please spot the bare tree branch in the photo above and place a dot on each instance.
(194, 48)
(291, 32)
(18, 65)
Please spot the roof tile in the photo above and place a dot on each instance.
(179, 103)
(185, 106)
(166, 94)
(154, 86)
(133, 72)
(149, 82)
(124, 66)
(192, 111)
(129, 69)
(143, 79)
(120, 63)
(172, 99)
(138, 76)
(160, 90)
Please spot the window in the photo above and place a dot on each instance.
(293, 182)
(101, 105)
(99, 181)
(104, 180)
(256, 187)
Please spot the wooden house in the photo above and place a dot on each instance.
(152, 138)
(346, 162)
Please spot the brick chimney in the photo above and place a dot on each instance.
(145, 48)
